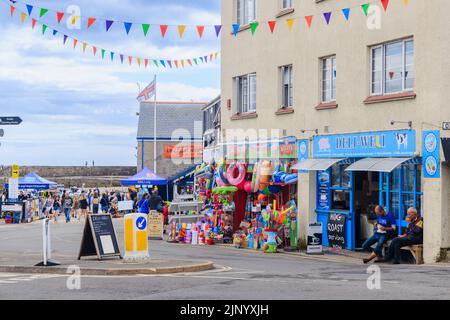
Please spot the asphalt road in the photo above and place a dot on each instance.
(240, 274)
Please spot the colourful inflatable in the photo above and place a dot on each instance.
(256, 177)
(266, 172)
(236, 174)
(222, 173)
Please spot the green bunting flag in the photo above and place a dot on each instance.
(365, 8)
(42, 12)
(145, 28)
(103, 53)
(44, 27)
(254, 26)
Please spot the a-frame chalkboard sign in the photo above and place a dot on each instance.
(99, 238)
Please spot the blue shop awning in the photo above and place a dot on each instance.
(377, 164)
(316, 164)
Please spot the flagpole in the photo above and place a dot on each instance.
(154, 131)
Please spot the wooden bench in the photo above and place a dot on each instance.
(416, 251)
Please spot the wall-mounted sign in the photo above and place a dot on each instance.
(323, 191)
(336, 231)
(183, 151)
(400, 143)
(431, 154)
(446, 126)
(15, 172)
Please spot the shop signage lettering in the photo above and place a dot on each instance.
(182, 151)
(431, 154)
(336, 231)
(398, 143)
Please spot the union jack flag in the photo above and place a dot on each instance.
(148, 92)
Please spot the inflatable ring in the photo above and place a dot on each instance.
(222, 173)
(255, 178)
(291, 178)
(236, 173)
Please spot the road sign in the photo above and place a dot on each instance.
(15, 171)
(446, 126)
(10, 121)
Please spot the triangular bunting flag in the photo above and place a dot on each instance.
(23, 16)
(201, 58)
(127, 26)
(163, 63)
(211, 57)
(182, 63)
(121, 58)
(94, 50)
(189, 61)
(42, 12)
(139, 61)
(176, 63)
(65, 39)
(385, 4)
(327, 16)
(29, 9)
(405, 2)
(163, 29)
(181, 29)
(218, 28)
(44, 28)
(55, 32)
(155, 63)
(200, 30)
(112, 56)
(130, 60)
(309, 20)
(253, 26)
(33, 23)
(365, 8)
(84, 47)
(109, 24)
(169, 63)
(11, 10)
(145, 28)
(272, 25)
(346, 13)
(103, 53)
(145, 63)
(216, 55)
(290, 23)
(195, 61)
(75, 42)
(59, 16)
(235, 29)
(91, 22)
(74, 19)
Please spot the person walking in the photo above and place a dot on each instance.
(67, 206)
(56, 208)
(155, 202)
(104, 203)
(143, 204)
(84, 204)
(48, 206)
(95, 203)
(75, 206)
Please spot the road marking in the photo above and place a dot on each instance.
(14, 278)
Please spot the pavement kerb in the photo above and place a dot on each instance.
(111, 271)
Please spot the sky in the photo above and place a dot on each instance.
(76, 107)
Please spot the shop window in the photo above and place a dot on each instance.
(392, 67)
(328, 66)
(246, 93)
(245, 11)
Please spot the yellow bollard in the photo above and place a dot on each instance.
(135, 238)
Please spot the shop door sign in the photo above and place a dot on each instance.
(336, 231)
(323, 194)
(315, 233)
(431, 154)
(141, 223)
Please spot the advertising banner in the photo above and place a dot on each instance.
(431, 154)
(336, 231)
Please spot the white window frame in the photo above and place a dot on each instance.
(383, 67)
(243, 16)
(246, 95)
(290, 97)
(331, 80)
(286, 4)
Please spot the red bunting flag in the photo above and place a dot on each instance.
(200, 30)
(12, 9)
(146, 62)
(189, 61)
(33, 23)
(91, 22)
(176, 63)
(75, 42)
(385, 4)
(309, 20)
(59, 16)
(130, 60)
(272, 25)
(94, 50)
(163, 28)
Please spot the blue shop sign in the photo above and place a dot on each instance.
(398, 143)
(431, 154)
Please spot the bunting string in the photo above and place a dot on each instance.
(140, 61)
(199, 29)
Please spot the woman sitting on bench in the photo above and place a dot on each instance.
(385, 225)
(413, 236)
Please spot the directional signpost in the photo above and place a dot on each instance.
(10, 121)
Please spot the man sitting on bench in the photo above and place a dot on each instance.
(413, 236)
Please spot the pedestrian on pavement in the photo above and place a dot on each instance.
(385, 226)
(75, 206)
(104, 203)
(56, 208)
(67, 206)
(84, 204)
(48, 206)
(155, 202)
(95, 203)
(143, 204)
(412, 236)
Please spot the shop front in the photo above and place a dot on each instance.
(357, 171)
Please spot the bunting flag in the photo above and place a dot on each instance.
(218, 28)
(103, 53)
(94, 50)
(74, 19)
(290, 23)
(163, 29)
(121, 58)
(65, 39)
(405, 2)
(42, 12)
(327, 16)
(23, 17)
(272, 25)
(59, 16)
(44, 28)
(11, 10)
(365, 8)
(346, 13)
(253, 26)
(236, 29)
(200, 30)
(84, 47)
(112, 56)
(75, 42)
(33, 23)
(146, 62)
(145, 28)
(127, 26)
(181, 30)
(385, 4)
(55, 32)
(29, 9)
(309, 20)
(90, 22)
(108, 24)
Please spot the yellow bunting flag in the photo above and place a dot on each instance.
(74, 19)
(24, 15)
(182, 63)
(181, 30)
(405, 2)
(84, 47)
(139, 61)
(290, 23)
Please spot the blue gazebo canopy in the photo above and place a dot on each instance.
(146, 177)
(33, 181)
